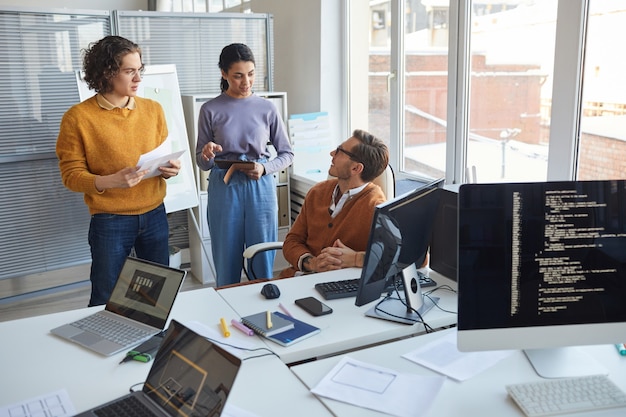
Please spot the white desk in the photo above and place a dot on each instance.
(482, 395)
(347, 327)
(34, 363)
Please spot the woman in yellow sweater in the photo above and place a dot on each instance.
(100, 141)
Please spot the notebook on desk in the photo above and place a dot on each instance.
(190, 376)
(138, 308)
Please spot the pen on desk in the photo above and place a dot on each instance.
(621, 348)
(268, 318)
(225, 331)
(240, 326)
(282, 307)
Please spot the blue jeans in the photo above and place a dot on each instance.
(240, 214)
(112, 237)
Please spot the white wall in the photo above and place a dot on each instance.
(309, 57)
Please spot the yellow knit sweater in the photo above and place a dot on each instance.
(94, 141)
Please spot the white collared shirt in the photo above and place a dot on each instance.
(336, 208)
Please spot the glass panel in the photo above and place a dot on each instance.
(426, 88)
(512, 56)
(602, 135)
(379, 69)
(423, 148)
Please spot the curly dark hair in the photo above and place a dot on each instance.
(102, 61)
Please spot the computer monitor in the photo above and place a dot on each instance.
(542, 268)
(444, 242)
(397, 246)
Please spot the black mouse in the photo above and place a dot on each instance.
(270, 291)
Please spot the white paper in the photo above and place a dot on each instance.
(158, 157)
(231, 410)
(240, 345)
(443, 356)
(56, 404)
(379, 388)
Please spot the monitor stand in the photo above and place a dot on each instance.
(564, 362)
(403, 310)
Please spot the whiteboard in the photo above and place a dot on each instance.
(160, 83)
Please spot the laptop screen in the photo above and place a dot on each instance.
(190, 375)
(145, 291)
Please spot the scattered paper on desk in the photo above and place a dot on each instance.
(443, 356)
(56, 404)
(231, 410)
(379, 388)
(240, 341)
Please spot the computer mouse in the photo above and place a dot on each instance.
(270, 291)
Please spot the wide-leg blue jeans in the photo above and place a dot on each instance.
(240, 214)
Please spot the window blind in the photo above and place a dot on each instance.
(44, 226)
(193, 42)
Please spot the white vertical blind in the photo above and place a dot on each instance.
(44, 226)
(193, 41)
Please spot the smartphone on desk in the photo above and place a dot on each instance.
(313, 306)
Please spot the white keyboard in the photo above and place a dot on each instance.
(567, 395)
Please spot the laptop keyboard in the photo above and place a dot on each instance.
(112, 330)
(126, 407)
(333, 290)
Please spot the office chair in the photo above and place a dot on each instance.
(386, 181)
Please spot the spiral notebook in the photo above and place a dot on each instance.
(300, 331)
(258, 323)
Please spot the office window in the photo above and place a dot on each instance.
(511, 73)
(518, 102)
(43, 224)
(603, 118)
(415, 111)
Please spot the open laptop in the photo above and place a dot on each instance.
(190, 376)
(138, 308)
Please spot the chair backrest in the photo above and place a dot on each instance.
(387, 182)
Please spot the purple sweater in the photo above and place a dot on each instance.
(243, 126)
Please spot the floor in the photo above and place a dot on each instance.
(73, 297)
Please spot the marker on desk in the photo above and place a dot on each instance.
(268, 319)
(282, 307)
(621, 348)
(240, 326)
(225, 331)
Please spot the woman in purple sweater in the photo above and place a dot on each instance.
(237, 125)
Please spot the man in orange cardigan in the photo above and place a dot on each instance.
(333, 226)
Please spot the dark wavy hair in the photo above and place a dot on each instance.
(235, 52)
(102, 61)
(372, 153)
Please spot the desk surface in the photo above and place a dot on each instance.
(347, 327)
(482, 395)
(34, 363)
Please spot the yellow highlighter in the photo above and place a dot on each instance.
(269, 319)
(224, 326)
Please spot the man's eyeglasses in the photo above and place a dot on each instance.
(350, 154)
(131, 72)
